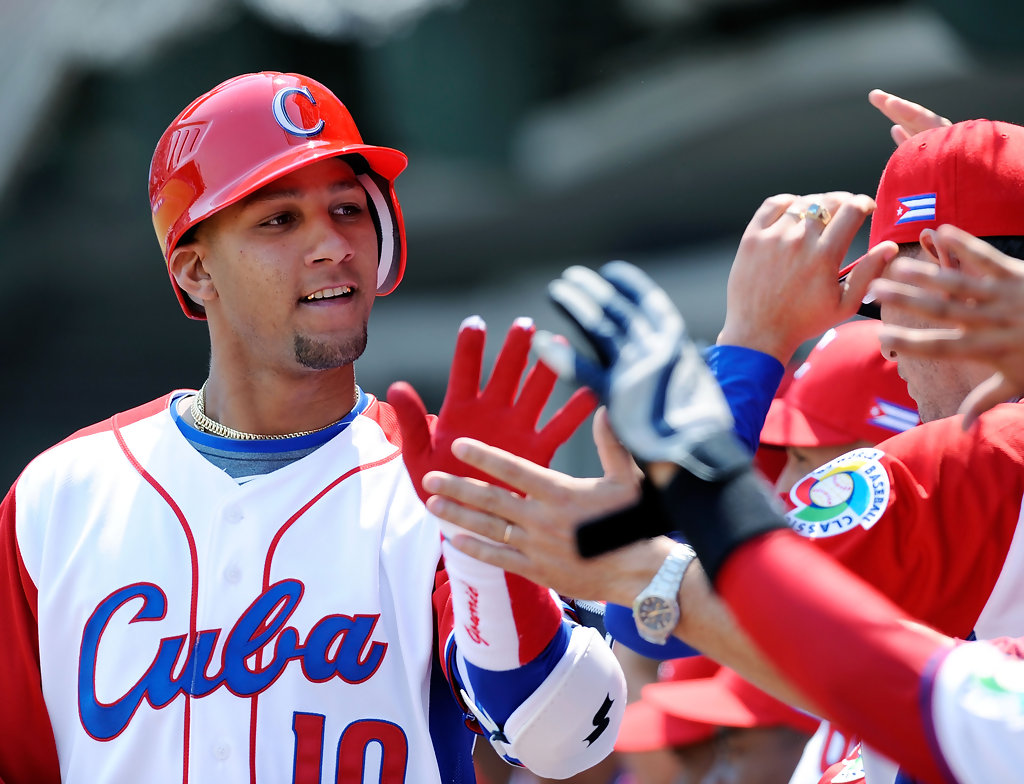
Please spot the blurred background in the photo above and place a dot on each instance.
(541, 133)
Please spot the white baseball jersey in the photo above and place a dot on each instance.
(173, 625)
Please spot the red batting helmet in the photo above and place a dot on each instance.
(250, 130)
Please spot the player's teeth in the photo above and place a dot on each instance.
(338, 291)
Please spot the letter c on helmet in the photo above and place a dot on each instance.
(282, 116)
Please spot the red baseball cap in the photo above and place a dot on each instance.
(726, 700)
(845, 391)
(970, 174)
(647, 727)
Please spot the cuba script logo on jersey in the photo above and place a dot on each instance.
(852, 490)
(337, 646)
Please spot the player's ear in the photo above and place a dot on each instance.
(937, 251)
(189, 272)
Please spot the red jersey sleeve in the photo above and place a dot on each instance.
(850, 650)
(28, 754)
(928, 517)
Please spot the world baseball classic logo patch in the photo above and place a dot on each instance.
(852, 490)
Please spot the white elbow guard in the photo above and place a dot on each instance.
(571, 720)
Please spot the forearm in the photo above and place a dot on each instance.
(532, 676)
(501, 620)
(705, 621)
(850, 649)
(860, 659)
(708, 624)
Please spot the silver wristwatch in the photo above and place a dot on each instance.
(656, 609)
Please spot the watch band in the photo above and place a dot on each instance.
(670, 575)
(662, 595)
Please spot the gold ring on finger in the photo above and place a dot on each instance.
(818, 212)
(508, 533)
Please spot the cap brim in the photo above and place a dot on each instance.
(646, 727)
(687, 667)
(712, 701)
(785, 425)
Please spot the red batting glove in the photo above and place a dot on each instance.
(494, 416)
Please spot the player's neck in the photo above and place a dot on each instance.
(270, 403)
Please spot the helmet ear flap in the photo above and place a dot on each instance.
(387, 220)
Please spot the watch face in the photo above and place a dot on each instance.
(655, 613)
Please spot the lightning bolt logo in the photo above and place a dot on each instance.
(601, 720)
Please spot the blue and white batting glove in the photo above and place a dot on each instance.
(663, 402)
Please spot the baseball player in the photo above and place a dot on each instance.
(719, 727)
(949, 711)
(241, 583)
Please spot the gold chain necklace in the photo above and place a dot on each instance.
(203, 422)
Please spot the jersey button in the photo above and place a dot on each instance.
(233, 574)
(222, 751)
(233, 514)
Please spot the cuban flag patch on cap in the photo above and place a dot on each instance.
(915, 208)
(892, 416)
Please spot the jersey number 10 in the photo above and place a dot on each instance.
(352, 746)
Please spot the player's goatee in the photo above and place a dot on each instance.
(318, 355)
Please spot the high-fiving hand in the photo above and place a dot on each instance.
(663, 402)
(495, 416)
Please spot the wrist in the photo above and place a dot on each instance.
(501, 620)
(656, 609)
(644, 560)
(766, 341)
(718, 517)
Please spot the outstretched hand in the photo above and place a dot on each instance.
(495, 416)
(978, 294)
(662, 400)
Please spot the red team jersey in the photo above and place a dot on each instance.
(930, 518)
(164, 623)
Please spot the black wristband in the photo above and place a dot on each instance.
(645, 519)
(717, 517)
